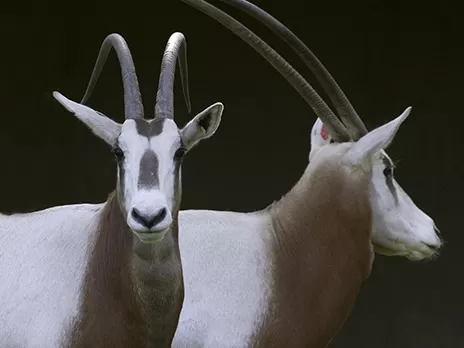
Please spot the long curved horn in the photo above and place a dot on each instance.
(335, 127)
(132, 99)
(175, 52)
(346, 111)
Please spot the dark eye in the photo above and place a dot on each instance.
(118, 153)
(180, 153)
(388, 171)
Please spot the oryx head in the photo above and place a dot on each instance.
(148, 152)
(399, 226)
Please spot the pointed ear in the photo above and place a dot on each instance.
(319, 137)
(364, 149)
(202, 126)
(102, 126)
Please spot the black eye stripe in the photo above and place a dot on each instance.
(388, 173)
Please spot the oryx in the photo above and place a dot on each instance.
(288, 275)
(109, 274)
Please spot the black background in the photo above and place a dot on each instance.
(386, 55)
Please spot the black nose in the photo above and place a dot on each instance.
(149, 220)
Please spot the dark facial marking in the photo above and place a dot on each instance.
(148, 175)
(121, 176)
(149, 128)
(389, 179)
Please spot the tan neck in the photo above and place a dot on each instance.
(322, 255)
(133, 292)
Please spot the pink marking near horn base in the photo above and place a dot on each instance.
(324, 133)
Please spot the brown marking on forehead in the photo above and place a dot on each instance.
(150, 128)
(128, 301)
(148, 174)
(321, 256)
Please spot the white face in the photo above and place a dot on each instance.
(149, 155)
(399, 228)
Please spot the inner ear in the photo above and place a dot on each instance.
(205, 122)
(319, 137)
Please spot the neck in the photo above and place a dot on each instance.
(133, 292)
(321, 254)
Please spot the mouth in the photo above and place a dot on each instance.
(424, 252)
(151, 237)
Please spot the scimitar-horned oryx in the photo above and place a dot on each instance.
(288, 275)
(110, 274)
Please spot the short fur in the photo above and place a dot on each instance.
(124, 304)
(297, 272)
(321, 254)
(288, 275)
(107, 275)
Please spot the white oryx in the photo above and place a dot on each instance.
(109, 274)
(289, 275)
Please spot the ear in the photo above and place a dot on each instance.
(319, 137)
(364, 149)
(102, 126)
(202, 126)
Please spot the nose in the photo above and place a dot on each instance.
(149, 220)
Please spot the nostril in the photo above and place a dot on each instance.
(149, 220)
(158, 217)
(138, 217)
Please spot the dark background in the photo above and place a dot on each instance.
(386, 55)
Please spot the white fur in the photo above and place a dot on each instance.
(133, 145)
(223, 252)
(102, 126)
(43, 257)
(226, 273)
(151, 200)
(363, 151)
(399, 228)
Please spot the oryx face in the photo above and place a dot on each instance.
(399, 226)
(149, 152)
(149, 155)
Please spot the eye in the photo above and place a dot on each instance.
(180, 153)
(118, 153)
(388, 171)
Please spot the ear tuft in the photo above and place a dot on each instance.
(99, 124)
(362, 152)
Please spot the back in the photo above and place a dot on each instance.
(42, 257)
